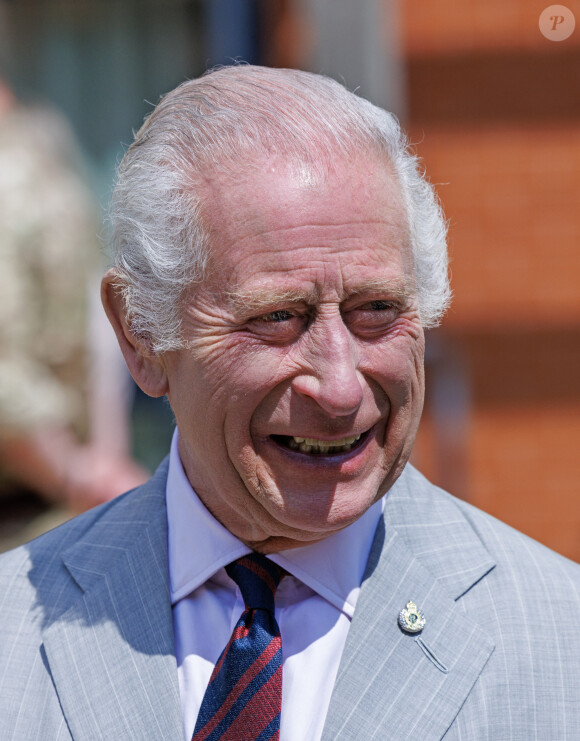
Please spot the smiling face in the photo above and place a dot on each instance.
(299, 393)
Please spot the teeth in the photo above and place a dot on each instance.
(313, 445)
(328, 443)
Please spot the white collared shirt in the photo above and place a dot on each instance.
(314, 605)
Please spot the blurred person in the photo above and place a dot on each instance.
(286, 573)
(60, 438)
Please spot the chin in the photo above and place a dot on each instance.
(324, 511)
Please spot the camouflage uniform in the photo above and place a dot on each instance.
(48, 247)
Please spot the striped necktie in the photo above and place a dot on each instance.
(243, 698)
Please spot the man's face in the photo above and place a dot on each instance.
(300, 391)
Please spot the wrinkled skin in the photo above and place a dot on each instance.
(307, 326)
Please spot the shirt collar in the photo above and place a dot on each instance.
(199, 546)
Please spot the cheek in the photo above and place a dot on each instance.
(227, 385)
(212, 376)
(249, 368)
(398, 368)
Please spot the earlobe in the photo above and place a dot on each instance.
(145, 366)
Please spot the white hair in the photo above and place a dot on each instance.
(217, 124)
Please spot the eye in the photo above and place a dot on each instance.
(280, 315)
(279, 326)
(373, 318)
(380, 305)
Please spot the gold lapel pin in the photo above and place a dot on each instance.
(411, 619)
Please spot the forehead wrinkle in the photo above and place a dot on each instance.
(265, 228)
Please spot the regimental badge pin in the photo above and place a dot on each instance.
(411, 619)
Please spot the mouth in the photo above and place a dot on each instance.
(316, 446)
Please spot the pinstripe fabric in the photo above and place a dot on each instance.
(244, 695)
(86, 635)
(86, 639)
(499, 656)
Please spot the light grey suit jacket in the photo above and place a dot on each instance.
(86, 636)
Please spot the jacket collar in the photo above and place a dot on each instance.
(391, 684)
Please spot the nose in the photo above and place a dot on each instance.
(330, 375)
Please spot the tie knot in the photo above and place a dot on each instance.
(258, 578)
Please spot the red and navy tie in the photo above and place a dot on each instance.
(243, 698)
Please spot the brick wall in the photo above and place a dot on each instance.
(494, 109)
(443, 26)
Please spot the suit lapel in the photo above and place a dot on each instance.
(391, 684)
(112, 653)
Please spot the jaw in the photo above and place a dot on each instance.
(317, 491)
(274, 497)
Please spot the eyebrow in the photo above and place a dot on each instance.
(263, 298)
(394, 288)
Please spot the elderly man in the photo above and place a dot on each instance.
(286, 573)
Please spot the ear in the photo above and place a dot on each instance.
(146, 367)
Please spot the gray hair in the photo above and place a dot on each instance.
(216, 123)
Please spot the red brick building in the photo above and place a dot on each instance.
(495, 110)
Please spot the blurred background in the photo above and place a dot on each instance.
(493, 108)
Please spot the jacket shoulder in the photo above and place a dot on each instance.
(70, 585)
(511, 550)
(36, 568)
(518, 553)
